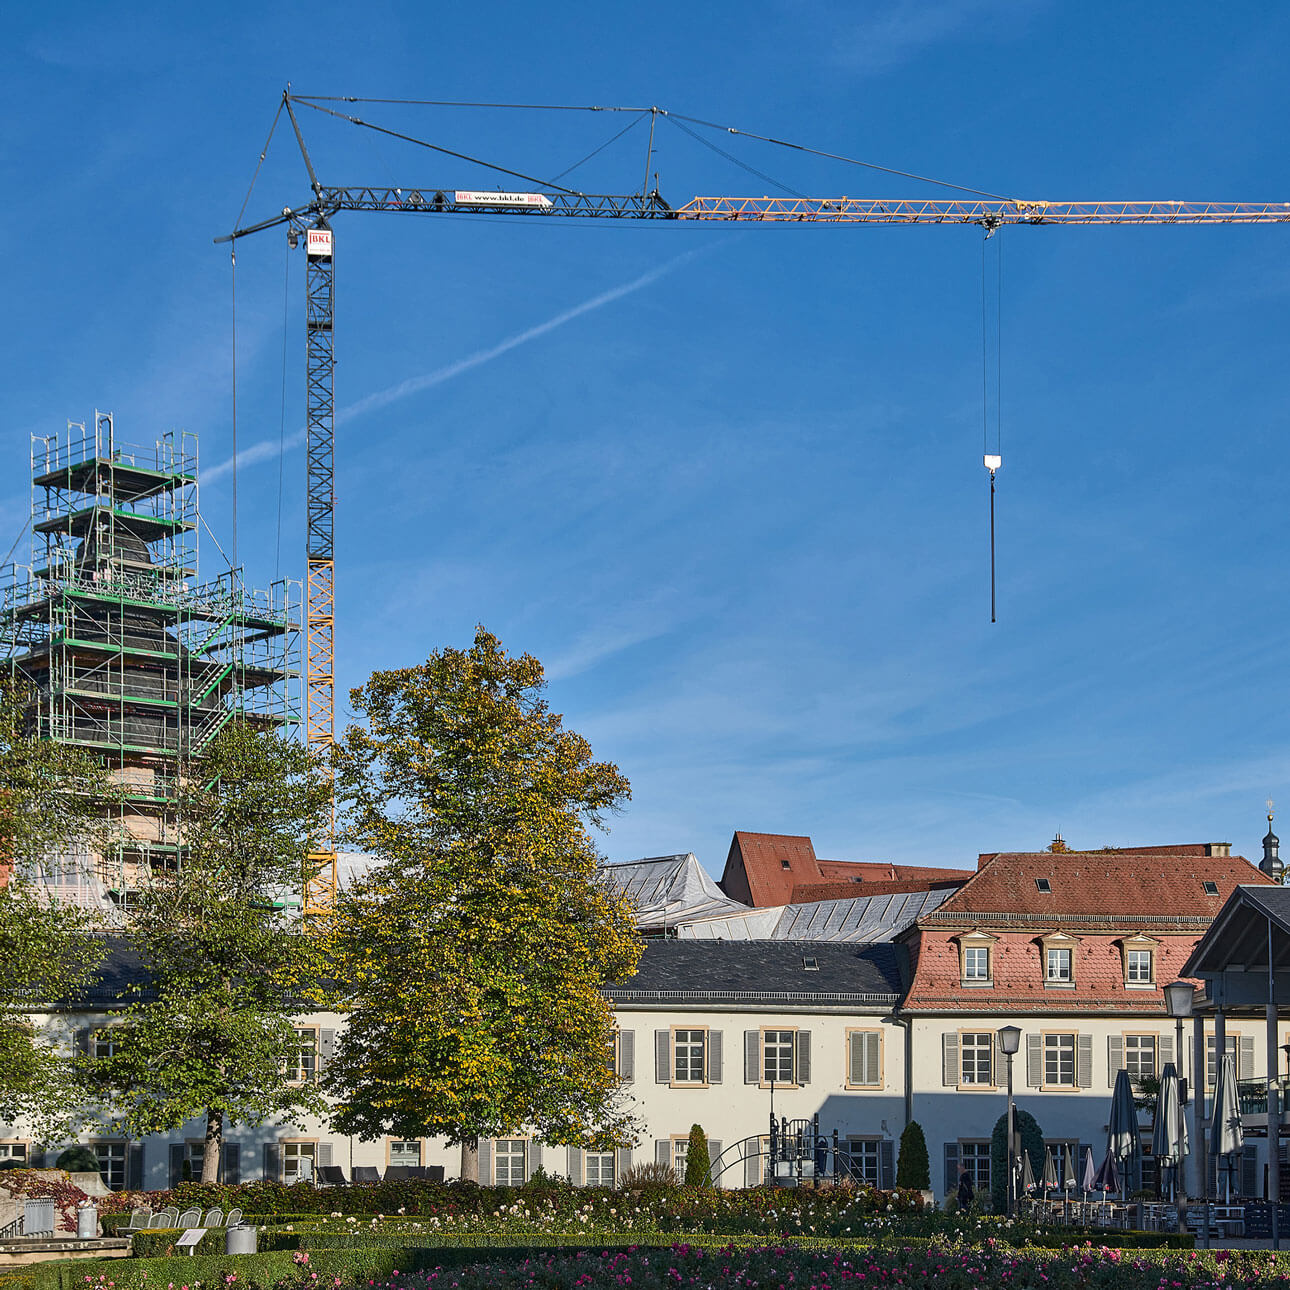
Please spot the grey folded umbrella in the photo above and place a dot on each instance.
(1225, 1132)
(1108, 1176)
(1027, 1173)
(1122, 1127)
(1050, 1171)
(1071, 1180)
(1089, 1180)
(1169, 1125)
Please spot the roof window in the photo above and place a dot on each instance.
(1211, 888)
(784, 864)
(1043, 886)
(811, 964)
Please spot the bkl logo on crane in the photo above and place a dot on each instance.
(318, 242)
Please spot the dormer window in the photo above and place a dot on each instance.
(976, 959)
(1057, 951)
(1139, 958)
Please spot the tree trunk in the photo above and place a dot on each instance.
(213, 1146)
(470, 1162)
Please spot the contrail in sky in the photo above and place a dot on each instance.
(267, 449)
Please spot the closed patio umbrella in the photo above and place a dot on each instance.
(1050, 1171)
(1027, 1172)
(1169, 1125)
(1090, 1172)
(1108, 1177)
(1225, 1133)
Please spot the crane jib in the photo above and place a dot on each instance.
(824, 210)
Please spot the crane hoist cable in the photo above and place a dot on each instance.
(992, 454)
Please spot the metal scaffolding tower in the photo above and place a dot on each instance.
(124, 653)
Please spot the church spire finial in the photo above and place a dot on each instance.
(1272, 864)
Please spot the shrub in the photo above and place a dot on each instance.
(697, 1165)
(648, 1177)
(78, 1159)
(1032, 1143)
(913, 1169)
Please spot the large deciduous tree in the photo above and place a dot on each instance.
(476, 949)
(212, 1032)
(51, 797)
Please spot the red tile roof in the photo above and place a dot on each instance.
(1119, 885)
(764, 869)
(1099, 898)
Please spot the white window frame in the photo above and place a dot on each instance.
(1060, 1040)
(680, 1154)
(781, 1043)
(991, 1043)
(1139, 1041)
(864, 1149)
(292, 1151)
(114, 1157)
(102, 1045)
(690, 1043)
(305, 1067)
(512, 1149)
(1140, 967)
(405, 1143)
(15, 1149)
(1059, 964)
(601, 1164)
(976, 1151)
(977, 966)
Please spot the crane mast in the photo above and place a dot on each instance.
(313, 222)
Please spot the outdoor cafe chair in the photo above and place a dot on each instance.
(366, 1174)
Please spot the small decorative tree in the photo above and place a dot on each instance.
(696, 1158)
(1032, 1143)
(913, 1169)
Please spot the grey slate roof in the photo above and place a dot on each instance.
(861, 919)
(1239, 932)
(771, 973)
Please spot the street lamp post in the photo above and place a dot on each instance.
(1179, 996)
(1010, 1041)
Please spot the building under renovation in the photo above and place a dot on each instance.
(126, 652)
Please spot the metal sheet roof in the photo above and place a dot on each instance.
(668, 890)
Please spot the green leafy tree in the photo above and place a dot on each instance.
(51, 800)
(696, 1157)
(476, 949)
(913, 1169)
(211, 1034)
(1032, 1143)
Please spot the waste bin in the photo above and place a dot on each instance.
(241, 1239)
(38, 1218)
(87, 1220)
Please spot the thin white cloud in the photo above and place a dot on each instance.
(267, 449)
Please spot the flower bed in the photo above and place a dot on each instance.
(803, 1265)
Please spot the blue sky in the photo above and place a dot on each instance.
(725, 482)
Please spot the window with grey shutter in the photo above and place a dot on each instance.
(951, 1167)
(1250, 1170)
(627, 1055)
(863, 1059)
(324, 1153)
(622, 1162)
(1245, 1058)
(134, 1166)
(231, 1164)
(83, 1042)
(714, 1057)
(752, 1056)
(662, 1057)
(272, 1161)
(1083, 1061)
(326, 1048)
(886, 1164)
(754, 1164)
(1165, 1046)
(1114, 1056)
(177, 1163)
(950, 1061)
(663, 1152)
(575, 1166)
(1034, 1061)
(532, 1159)
(714, 1154)
(485, 1161)
(803, 1056)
